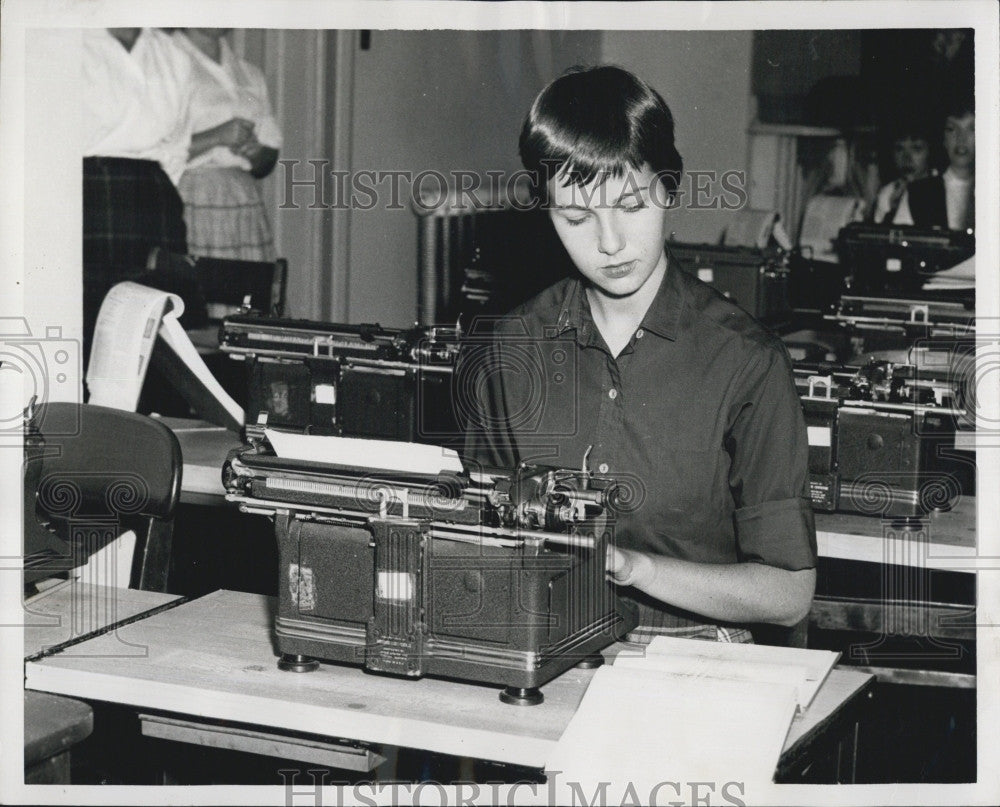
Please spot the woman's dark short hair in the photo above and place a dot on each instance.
(960, 104)
(599, 121)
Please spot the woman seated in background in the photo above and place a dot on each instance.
(911, 156)
(949, 200)
(235, 142)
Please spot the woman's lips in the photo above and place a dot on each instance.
(618, 269)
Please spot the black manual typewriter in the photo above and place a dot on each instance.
(351, 380)
(882, 435)
(899, 260)
(495, 578)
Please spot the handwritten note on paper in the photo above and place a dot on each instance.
(386, 455)
(638, 728)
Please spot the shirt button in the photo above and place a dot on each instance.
(612, 393)
(639, 333)
(603, 467)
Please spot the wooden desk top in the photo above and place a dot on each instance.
(204, 447)
(71, 609)
(950, 538)
(214, 657)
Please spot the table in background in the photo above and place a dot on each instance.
(851, 536)
(204, 448)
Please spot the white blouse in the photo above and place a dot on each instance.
(135, 103)
(233, 88)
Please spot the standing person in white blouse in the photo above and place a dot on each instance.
(136, 135)
(235, 143)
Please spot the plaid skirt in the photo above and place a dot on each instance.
(657, 621)
(129, 207)
(225, 215)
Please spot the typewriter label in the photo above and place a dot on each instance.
(706, 274)
(819, 435)
(301, 586)
(326, 394)
(395, 586)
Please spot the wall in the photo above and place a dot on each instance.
(438, 100)
(52, 205)
(298, 66)
(704, 76)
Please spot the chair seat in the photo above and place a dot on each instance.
(52, 725)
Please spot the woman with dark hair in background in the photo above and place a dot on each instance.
(949, 200)
(911, 157)
(235, 142)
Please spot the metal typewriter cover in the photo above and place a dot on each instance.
(887, 259)
(493, 578)
(755, 279)
(882, 436)
(352, 380)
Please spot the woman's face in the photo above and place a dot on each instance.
(960, 141)
(912, 157)
(613, 228)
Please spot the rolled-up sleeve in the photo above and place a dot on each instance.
(769, 472)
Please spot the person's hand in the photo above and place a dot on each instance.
(249, 149)
(234, 134)
(621, 565)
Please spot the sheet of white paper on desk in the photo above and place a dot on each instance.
(816, 664)
(960, 276)
(644, 727)
(124, 335)
(384, 455)
(697, 667)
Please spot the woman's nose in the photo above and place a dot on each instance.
(609, 239)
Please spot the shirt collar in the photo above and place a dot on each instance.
(661, 318)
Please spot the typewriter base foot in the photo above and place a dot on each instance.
(590, 662)
(294, 663)
(908, 523)
(521, 696)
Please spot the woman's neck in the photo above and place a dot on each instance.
(618, 317)
(962, 172)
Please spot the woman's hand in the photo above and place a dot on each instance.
(624, 565)
(261, 158)
(234, 134)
